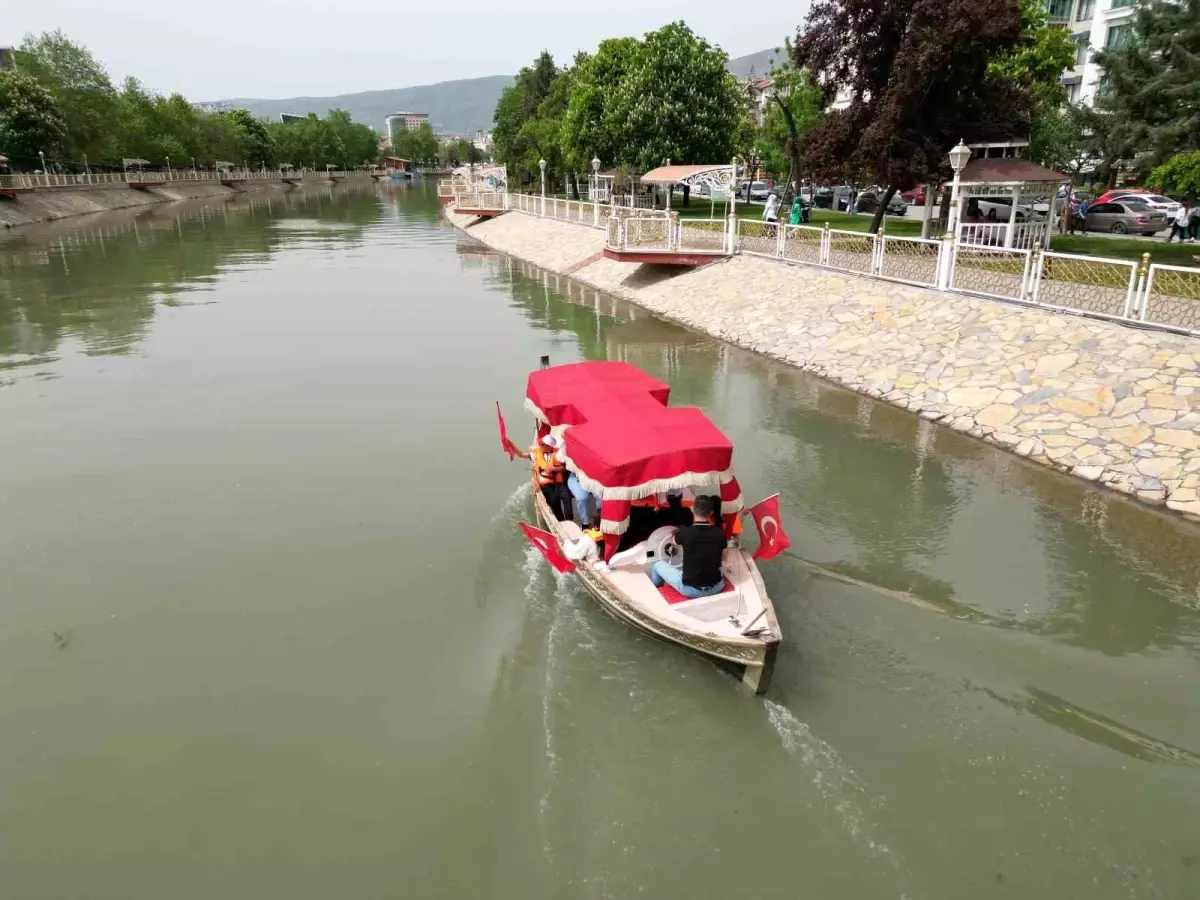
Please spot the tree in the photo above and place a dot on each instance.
(590, 127)
(518, 104)
(918, 76)
(253, 141)
(419, 146)
(30, 120)
(1151, 90)
(1062, 138)
(677, 102)
(82, 90)
(1179, 175)
(1039, 57)
(794, 108)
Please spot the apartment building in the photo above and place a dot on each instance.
(1094, 25)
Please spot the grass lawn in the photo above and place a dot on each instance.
(1127, 248)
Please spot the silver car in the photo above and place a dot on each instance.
(1125, 217)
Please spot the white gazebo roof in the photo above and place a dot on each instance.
(714, 176)
(983, 176)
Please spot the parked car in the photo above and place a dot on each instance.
(1119, 192)
(759, 190)
(998, 209)
(703, 190)
(868, 201)
(1126, 216)
(1041, 205)
(1164, 205)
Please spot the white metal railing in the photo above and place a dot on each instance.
(1025, 235)
(991, 271)
(1159, 295)
(34, 181)
(1171, 297)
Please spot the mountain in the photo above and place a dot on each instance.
(455, 107)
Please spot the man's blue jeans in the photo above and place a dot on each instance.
(665, 573)
(585, 503)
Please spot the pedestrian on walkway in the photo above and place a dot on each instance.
(771, 213)
(1180, 225)
(1194, 221)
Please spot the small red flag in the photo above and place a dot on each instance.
(771, 537)
(545, 543)
(505, 444)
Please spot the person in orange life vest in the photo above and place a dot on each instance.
(550, 474)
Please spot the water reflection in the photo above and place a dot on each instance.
(882, 498)
(100, 282)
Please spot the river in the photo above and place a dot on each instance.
(268, 627)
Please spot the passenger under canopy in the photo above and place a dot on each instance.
(623, 442)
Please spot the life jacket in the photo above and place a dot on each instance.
(543, 462)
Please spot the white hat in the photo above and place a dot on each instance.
(553, 441)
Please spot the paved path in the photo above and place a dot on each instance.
(1103, 401)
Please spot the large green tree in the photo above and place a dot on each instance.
(30, 121)
(519, 103)
(1179, 175)
(253, 141)
(590, 127)
(918, 76)
(82, 90)
(420, 145)
(794, 107)
(1149, 101)
(677, 102)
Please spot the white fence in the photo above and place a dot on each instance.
(1160, 296)
(51, 180)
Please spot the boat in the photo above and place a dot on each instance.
(626, 446)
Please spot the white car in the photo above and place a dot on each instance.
(759, 190)
(997, 209)
(1156, 202)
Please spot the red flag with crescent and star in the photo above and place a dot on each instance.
(505, 444)
(771, 537)
(548, 547)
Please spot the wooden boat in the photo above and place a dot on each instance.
(624, 444)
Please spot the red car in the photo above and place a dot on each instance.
(1107, 196)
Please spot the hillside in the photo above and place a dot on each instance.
(454, 107)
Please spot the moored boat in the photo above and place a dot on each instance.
(627, 447)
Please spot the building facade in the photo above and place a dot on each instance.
(404, 121)
(1094, 25)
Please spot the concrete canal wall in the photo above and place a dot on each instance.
(48, 204)
(1105, 402)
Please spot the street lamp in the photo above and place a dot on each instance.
(958, 161)
(168, 168)
(86, 169)
(194, 171)
(43, 158)
(542, 166)
(595, 177)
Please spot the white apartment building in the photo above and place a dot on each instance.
(1094, 25)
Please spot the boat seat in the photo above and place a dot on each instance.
(673, 596)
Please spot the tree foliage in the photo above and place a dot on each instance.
(794, 107)
(677, 102)
(1063, 138)
(30, 120)
(918, 76)
(1150, 98)
(420, 145)
(1041, 53)
(1179, 175)
(590, 128)
(519, 103)
(99, 124)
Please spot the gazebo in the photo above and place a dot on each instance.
(660, 236)
(983, 186)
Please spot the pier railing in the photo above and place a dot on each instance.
(1158, 296)
(34, 181)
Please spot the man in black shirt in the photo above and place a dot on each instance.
(703, 545)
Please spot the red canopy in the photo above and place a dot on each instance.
(623, 442)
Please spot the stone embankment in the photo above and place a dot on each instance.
(48, 204)
(1105, 402)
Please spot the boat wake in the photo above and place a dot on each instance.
(838, 785)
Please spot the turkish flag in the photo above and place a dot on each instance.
(548, 547)
(771, 537)
(505, 444)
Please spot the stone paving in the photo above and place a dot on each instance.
(1105, 402)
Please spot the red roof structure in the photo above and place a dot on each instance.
(623, 442)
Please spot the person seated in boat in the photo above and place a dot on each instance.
(587, 504)
(703, 546)
(674, 513)
(549, 474)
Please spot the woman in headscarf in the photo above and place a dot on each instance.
(771, 213)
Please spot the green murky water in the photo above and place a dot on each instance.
(268, 629)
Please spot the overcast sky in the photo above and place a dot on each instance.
(214, 49)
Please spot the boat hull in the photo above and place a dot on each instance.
(751, 660)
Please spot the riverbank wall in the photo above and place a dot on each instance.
(1107, 403)
(49, 204)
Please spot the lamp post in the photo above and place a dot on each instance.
(86, 169)
(595, 192)
(958, 161)
(195, 173)
(542, 166)
(168, 168)
(42, 156)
